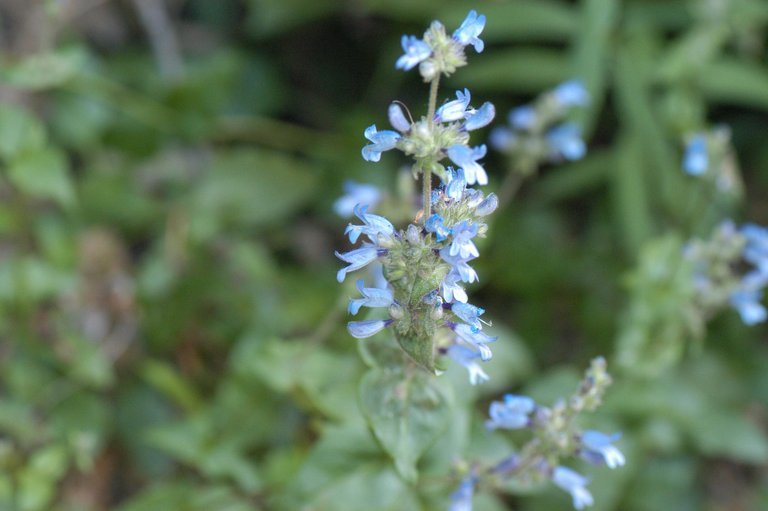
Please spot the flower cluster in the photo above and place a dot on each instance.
(709, 155)
(718, 275)
(426, 265)
(537, 132)
(554, 437)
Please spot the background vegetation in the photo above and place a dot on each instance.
(171, 332)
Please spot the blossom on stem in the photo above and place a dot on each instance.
(468, 313)
(456, 184)
(474, 337)
(462, 244)
(373, 225)
(454, 110)
(598, 449)
(747, 303)
(364, 329)
(357, 259)
(512, 413)
(397, 118)
(571, 93)
(459, 264)
(382, 141)
(565, 142)
(476, 119)
(470, 30)
(466, 357)
(452, 291)
(435, 224)
(372, 297)
(415, 50)
(466, 158)
(488, 205)
(575, 484)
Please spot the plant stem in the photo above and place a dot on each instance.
(426, 170)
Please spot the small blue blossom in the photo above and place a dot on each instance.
(598, 449)
(461, 499)
(382, 141)
(459, 264)
(397, 118)
(466, 357)
(357, 259)
(372, 297)
(454, 110)
(696, 157)
(523, 117)
(512, 413)
(354, 194)
(452, 291)
(756, 249)
(571, 93)
(456, 184)
(374, 225)
(488, 205)
(565, 142)
(575, 484)
(474, 337)
(364, 329)
(468, 313)
(480, 118)
(747, 303)
(415, 50)
(466, 158)
(470, 29)
(462, 244)
(434, 224)
(501, 138)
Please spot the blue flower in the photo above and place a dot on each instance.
(456, 184)
(575, 484)
(512, 413)
(598, 449)
(462, 244)
(470, 29)
(372, 297)
(466, 158)
(415, 50)
(466, 357)
(454, 110)
(397, 118)
(696, 158)
(756, 249)
(565, 142)
(459, 264)
(571, 93)
(474, 337)
(435, 225)
(747, 303)
(488, 205)
(452, 291)
(468, 313)
(480, 118)
(382, 141)
(355, 193)
(357, 259)
(363, 329)
(461, 499)
(523, 117)
(501, 138)
(374, 225)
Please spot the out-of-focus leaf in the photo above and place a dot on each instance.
(19, 132)
(44, 174)
(38, 481)
(406, 414)
(270, 17)
(692, 52)
(633, 212)
(170, 383)
(187, 497)
(44, 70)
(520, 70)
(728, 434)
(729, 80)
(30, 279)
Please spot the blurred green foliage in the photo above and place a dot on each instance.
(171, 333)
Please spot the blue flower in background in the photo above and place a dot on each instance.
(696, 158)
(364, 329)
(522, 117)
(354, 194)
(461, 499)
(415, 50)
(372, 297)
(747, 303)
(467, 357)
(466, 158)
(470, 29)
(512, 413)
(382, 141)
(575, 484)
(571, 93)
(598, 449)
(565, 142)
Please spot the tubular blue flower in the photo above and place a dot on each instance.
(454, 110)
(747, 303)
(452, 291)
(461, 499)
(501, 138)
(459, 264)
(571, 93)
(481, 117)
(488, 205)
(756, 249)
(364, 329)
(565, 142)
(354, 194)
(466, 357)
(468, 313)
(374, 225)
(382, 141)
(474, 337)
(512, 413)
(575, 484)
(597, 448)
(456, 184)
(462, 244)
(523, 117)
(372, 297)
(415, 50)
(696, 157)
(357, 259)
(466, 158)
(397, 118)
(435, 225)
(470, 29)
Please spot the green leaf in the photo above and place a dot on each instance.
(44, 70)
(738, 82)
(406, 415)
(43, 174)
(19, 132)
(521, 70)
(729, 434)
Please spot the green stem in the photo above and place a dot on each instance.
(426, 170)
